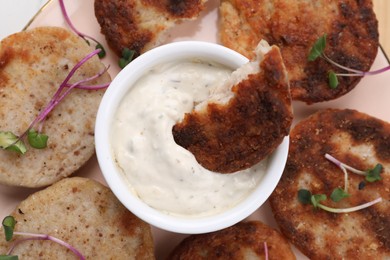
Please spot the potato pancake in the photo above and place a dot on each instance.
(33, 64)
(294, 26)
(84, 214)
(231, 134)
(244, 240)
(139, 25)
(360, 141)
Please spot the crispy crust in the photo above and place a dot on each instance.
(32, 66)
(244, 240)
(85, 214)
(358, 140)
(139, 24)
(294, 26)
(234, 136)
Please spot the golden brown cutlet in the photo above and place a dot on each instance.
(235, 135)
(140, 24)
(84, 214)
(33, 64)
(294, 26)
(244, 240)
(358, 140)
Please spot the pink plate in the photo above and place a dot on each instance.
(370, 96)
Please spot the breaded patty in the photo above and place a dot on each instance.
(244, 240)
(86, 215)
(360, 141)
(140, 25)
(33, 64)
(231, 134)
(294, 26)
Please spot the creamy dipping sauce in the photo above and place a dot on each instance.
(161, 173)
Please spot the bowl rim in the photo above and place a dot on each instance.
(120, 85)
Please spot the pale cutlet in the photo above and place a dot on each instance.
(294, 26)
(245, 121)
(140, 25)
(360, 141)
(244, 240)
(86, 215)
(33, 64)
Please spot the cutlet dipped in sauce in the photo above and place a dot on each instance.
(163, 174)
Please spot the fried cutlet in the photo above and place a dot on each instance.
(140, 25)
(33, 64)
(294, 26)
(244, 240)
(360, 141)
(86, 215)
(231, 134)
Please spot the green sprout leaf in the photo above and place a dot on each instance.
(304, 196)
(9, 257)
(333, 80)
(374, 174)
(127, 57)
(102, 53)
(9, 141)
(9, 225)
(338, 194)
(318, 48)
(317, 198)
(37, 140)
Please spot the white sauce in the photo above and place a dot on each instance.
(163, 174)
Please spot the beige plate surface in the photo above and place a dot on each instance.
(370, 96)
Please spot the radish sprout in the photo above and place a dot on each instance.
(101, 54)
(36, 139)
(306, 197)
(318, 50)
(9, 223)
(371, 175)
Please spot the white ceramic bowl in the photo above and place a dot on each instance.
(112, 98)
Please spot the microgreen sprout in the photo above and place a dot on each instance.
(318, 51)
(371, 175)
(87, 38)
(9, 223)
(37, 139)
(306, 197)
(265, 250)
(338, 194)
(127, 57)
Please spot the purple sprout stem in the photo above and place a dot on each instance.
(266, 250)
(33, 236)
(346, 166)
(91, 87)
(69, 22)
(60, 94)
(356, 73)
(342, 166)
(374, 72)
(352, 209)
